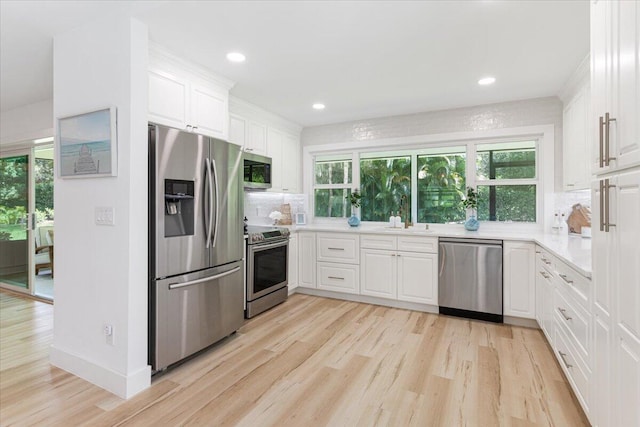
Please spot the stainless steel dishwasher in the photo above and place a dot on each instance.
(470, 278)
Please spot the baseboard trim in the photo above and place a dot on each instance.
(369, 300)
(124, 386)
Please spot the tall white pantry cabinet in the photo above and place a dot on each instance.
(615, 96)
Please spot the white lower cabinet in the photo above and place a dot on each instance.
(409, 273)
(292, 274)
(601, 384)
(378, 273)
(626, 379)
(519, 279)
(418, 277)
(307, 259)
(338, 277)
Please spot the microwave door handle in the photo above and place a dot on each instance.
(209, 186)
(215, 227)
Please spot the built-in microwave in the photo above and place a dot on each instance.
(257, 171)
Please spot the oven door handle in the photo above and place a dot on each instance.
(204, 279)
(259, 248)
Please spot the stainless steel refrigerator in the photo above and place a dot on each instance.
(195, 243)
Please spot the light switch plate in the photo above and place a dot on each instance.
(105, 215)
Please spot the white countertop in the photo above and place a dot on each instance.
(574, 250)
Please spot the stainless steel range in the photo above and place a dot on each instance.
(267, 268)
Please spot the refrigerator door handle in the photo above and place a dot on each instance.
(210, 187)
(204, 279)
(215, 227)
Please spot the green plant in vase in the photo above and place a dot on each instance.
(470, 202)
(354, 199)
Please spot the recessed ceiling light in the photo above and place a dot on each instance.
(487, 81)
(236, 57)
(43, 140)
(318, 106)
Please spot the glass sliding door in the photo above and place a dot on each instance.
(16, 241)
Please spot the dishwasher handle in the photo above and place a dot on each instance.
(471, 241)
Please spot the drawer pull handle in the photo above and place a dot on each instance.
(336, 249)
(545, 275)
(563, 312)
(336, 278)
(562, 356)
(546, 261)
(564, 277)
(538, 252)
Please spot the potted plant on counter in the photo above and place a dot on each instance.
(354, 199)
(470, 202)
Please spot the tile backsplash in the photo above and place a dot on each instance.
(259, 204)
(563, 202)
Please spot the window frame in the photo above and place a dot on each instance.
(544, 135)
(337, 157)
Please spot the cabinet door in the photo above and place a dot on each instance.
(307, 260)
(291, 164)
(274, 150)
(626, 370)
(576, 147)
(237, 130)
(167, 99)
(625, 131)
(418, 277)
(601, 384)
(293, 262)
(600, 73)
(378, 273)
(519, 279)
(209, 111)
(625, 213)
(602, 245)
(256, 138)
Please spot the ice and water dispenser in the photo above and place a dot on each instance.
(178, 212)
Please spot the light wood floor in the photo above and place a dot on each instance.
(308, 362)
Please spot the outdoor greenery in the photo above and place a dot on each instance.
(354, 198)
(383, 182)
(14, 182)
(441, 182)
(471, 200)
(442, 194)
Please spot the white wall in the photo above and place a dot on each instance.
(531, 112)
(101, 271)
(26, 123)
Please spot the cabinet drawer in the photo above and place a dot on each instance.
(545, 259)
(575, 321)
(338, 248)
(338, 277)
(377, 241)
(574, 283)
(576, 371)
(418, 244)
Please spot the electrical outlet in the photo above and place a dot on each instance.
(108, 332)
(105, 215)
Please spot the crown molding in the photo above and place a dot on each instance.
(580, 78)
(251, 111)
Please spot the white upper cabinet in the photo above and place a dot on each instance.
(615, 83)
(168, 99)
(209, 111)
(261, 132)
(237, 130)
(256, 138)
(184, 96)
(576, 143)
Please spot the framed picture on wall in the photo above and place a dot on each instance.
(87, 144)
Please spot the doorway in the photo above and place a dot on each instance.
(26, 221)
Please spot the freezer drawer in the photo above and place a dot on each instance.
(195, 310)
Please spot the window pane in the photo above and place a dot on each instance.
(383, 181)
(332, 203)
(333, 172)
(441, 184)
(511, 160)
(507, 203)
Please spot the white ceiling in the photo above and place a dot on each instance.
(361, 58)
